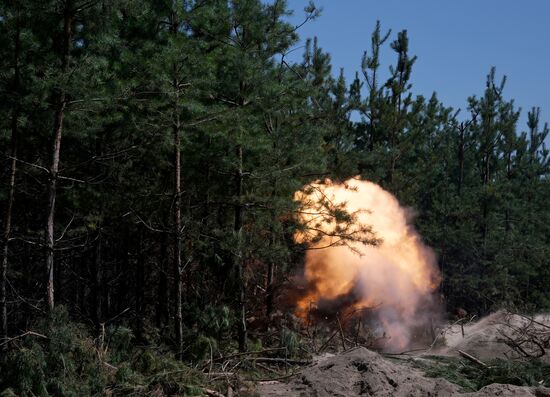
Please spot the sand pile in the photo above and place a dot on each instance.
(361, 372)
(491, 336)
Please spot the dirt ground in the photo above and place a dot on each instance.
(362, 372)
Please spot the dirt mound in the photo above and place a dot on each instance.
(496, 335)
(361, 372)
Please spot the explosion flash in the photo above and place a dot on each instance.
(372, 258)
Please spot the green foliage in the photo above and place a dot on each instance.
(255, 128)
(66, 361)
(202, 347)
(215, 321)
(290, 341)
(120, 340)
(472, 378)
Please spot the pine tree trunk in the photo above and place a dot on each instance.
(162, 292)
(207, 177)
(178, 288)
(241, 329)
(507, 221)
(271, 263)
(122, 289)
(56, 150)
(461, 147)
(140, 283)
(98, 282)
(177, 232)
(11, 196)
(269, 290)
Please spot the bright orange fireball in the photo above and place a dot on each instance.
(398, 273)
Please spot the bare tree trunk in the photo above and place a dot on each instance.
(239, 210)
(11, 194)
(54, 167)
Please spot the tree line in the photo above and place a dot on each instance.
(151, 151)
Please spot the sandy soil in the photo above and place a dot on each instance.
(361, 372)
(485, 339)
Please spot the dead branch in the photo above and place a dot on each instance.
(259, 381)
(267, 368)
(110, 366)
(341, 333)
(9, 340)
(327, 342)
(212, 393)
(527, 339)
(280, 360)
(249, 353)
(449, 328)
(472, 358)
(221, 374)
(405, 353)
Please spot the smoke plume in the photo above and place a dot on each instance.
(364, 253)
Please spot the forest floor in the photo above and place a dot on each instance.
(475, 358)
(362, 372)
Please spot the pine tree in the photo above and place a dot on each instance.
(14, 93)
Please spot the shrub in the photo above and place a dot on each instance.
(66, 362)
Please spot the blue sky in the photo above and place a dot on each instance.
(456, 41)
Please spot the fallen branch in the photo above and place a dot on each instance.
(533, 320)
(249, 353)
(260, 365)
(280, 360)
(327, 342)
(405, 353)
(526, 339)
(9, 340)
(110, 366)
(212, 393)
(259, 381)
(472, 359)
(222, 374)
